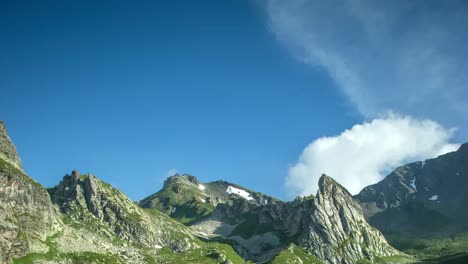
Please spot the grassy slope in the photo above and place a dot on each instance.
(430, 247)
(293, 254)
(187, 203)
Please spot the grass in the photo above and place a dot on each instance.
(294, 254)
(53, 255)
(209, 253)
(186, 201)
(430, 247)
(460, 258)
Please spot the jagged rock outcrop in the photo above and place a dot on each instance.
(7, 148)
(335, 230)
(27, 215)
(87, 199)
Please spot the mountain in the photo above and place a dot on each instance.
(7, 149)
(261, 227)
(422, 207)
(27, 215)
(86, 220)
(336, 230)
(186, 199)
(85, 199)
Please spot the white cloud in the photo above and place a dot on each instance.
(363, 154)
(383, 55)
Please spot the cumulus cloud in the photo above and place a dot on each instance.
(406, 56)
(363, 154)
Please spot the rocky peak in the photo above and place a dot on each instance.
(463, 148)
(335, 229)
(7, 148)
(328, 186)
(87, 199)
(184, 178)
(424, 197)
(27, 215)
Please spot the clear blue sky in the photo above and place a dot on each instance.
(130, 91)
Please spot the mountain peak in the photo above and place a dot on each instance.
(7, 148)
(336, 221)
(463, 147)
(327, 185)
(181, 178)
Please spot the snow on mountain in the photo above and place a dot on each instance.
(239, 192)
(413, 184)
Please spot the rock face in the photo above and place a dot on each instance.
(421, 197)
(89, 200)
(27, 215)
(7, 149)
(335, 230)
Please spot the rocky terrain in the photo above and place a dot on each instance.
(422, 207)
(85, 220)
(331, 225)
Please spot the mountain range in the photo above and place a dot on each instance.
(417, 214)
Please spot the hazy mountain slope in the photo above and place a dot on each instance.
(422, 205)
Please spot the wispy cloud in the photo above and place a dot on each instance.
(406, 56)
(363, 154)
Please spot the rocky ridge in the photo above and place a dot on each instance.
(27, 215)
(7, 149)
(421, 197)
(87, 220)
(85, 198)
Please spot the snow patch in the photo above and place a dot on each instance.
(201, 187)
(157, 247)
(413, 184)
(173, 210)
(423, 163)
(203, 200)
(434, 198)
(239, 192)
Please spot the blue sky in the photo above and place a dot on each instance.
(232, 90)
